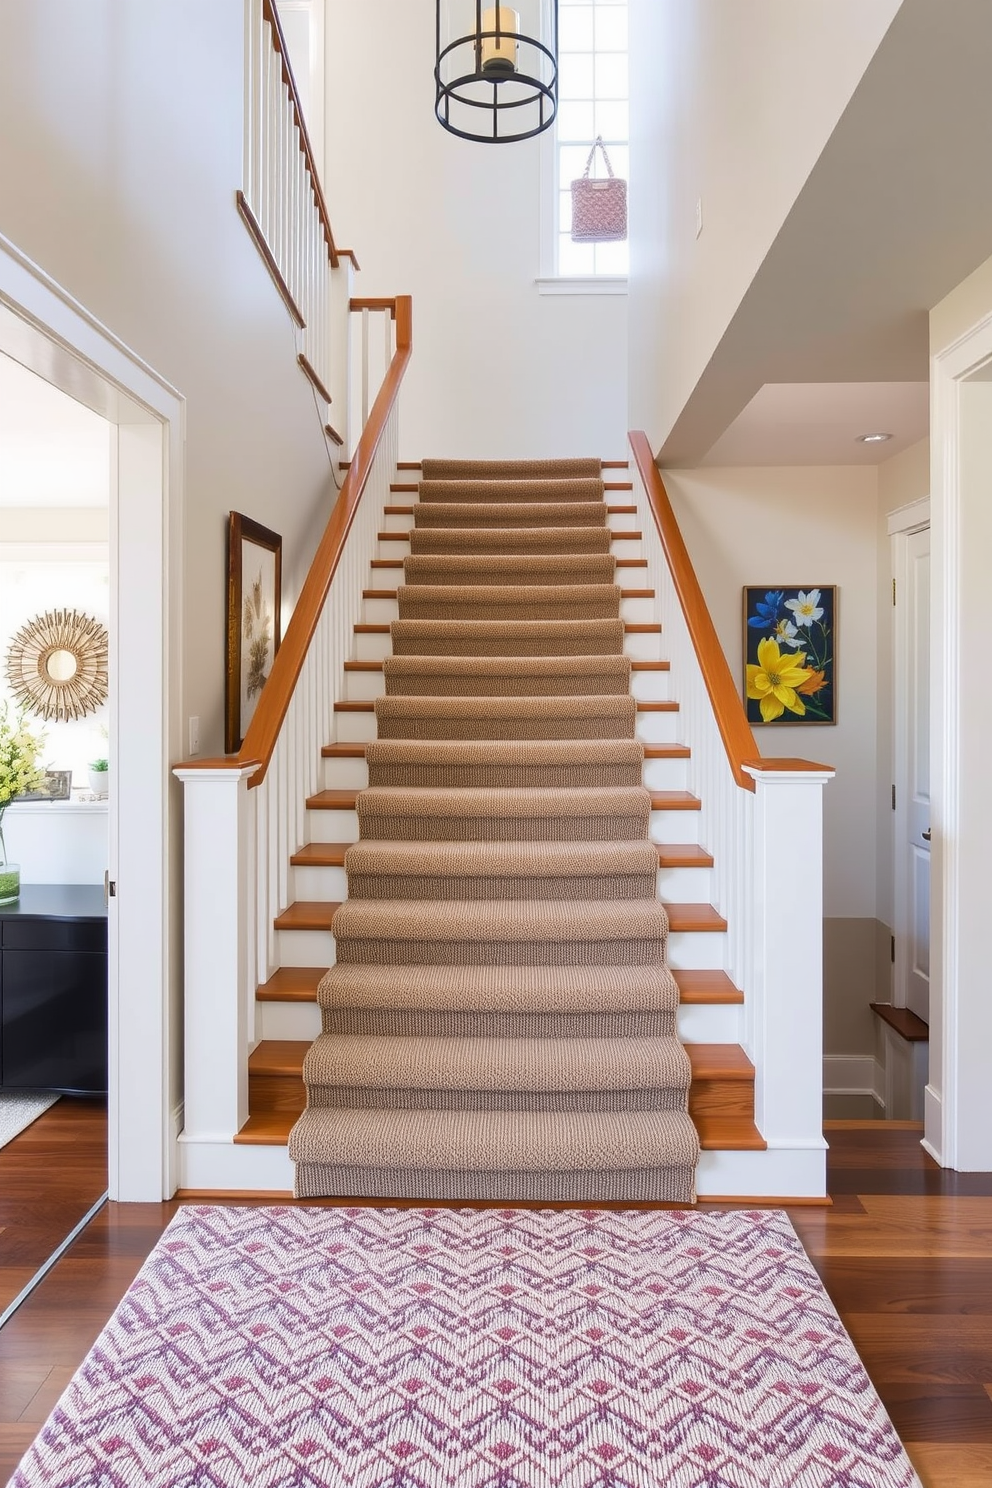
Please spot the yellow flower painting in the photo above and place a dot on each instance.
(789, 672)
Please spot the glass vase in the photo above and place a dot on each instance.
(10, 874)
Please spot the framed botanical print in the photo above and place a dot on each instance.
(790, 653)
(254, 593)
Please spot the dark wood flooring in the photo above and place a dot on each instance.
(50, 1175)
(905, 1252)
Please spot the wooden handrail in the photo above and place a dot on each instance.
(725, 700)
(374, 304)
(268, 258)
(263, 731)
(270, 14)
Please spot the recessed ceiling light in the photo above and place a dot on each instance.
(873, 438)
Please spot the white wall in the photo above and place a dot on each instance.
(120, 153)
(731, 104)
(498, 369)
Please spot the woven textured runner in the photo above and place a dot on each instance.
(365, 1348)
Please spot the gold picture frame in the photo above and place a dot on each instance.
(57, 665)
(254, 595)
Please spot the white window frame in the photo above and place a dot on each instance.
(550, 281)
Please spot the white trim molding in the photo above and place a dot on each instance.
(958, 1099)
(48, 331)
(589, 284)
(913, 517)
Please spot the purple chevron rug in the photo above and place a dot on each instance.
(384, 1348)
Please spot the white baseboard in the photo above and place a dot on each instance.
(854, 1074)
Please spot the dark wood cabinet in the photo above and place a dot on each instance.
(53, 989)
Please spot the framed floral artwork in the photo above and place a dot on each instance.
(254, 595)
(790, 654)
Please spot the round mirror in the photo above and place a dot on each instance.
(61, 665)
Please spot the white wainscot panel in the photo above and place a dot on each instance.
(57, 841)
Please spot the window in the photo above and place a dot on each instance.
(592, 80)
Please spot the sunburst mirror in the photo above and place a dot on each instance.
(57, 665)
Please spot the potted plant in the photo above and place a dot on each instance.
(99, 772)
(20, 771)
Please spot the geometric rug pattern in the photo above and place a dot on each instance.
(298, 1347)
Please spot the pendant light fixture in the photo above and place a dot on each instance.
(497, 69)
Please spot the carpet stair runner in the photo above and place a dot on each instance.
(500, 1021)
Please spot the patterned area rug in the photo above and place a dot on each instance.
(490, 1349)
(18, 1111)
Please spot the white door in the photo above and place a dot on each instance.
(912, 738)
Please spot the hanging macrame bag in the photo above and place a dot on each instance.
(599, 206)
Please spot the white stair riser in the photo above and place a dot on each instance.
(372, 647)
(393, 547)
(365, 687)
(398, 522)
(680, 885)
(651, 728)
(381, 611)
(353, 774)
(345, 774)
(664, 774)
(640, 647)
(620, 521)
(320, 883)
(716, 1023)
(687, 949)
(674, 826)
(287, 1020)
(700, 1024)
(342, 826)
(657, 728)
(304, 948)
(219, 1166)
(332, 826)
(377, 647)
(693, 950)
(354, 728)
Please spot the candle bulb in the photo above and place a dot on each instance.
(499, 53)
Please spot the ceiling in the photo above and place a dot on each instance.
(54, 452)
(895, 213)
(818, 423)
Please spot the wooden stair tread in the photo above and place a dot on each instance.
(320, 855)
(716, 1134)
(651, 751)
(709, 1061)
(696, 988)
(728, 1134)
(278, 1057)
(418, 464)
(332, 854)
(382, 628)
(643, 706)
(307, 914)
(398, 511)
(694, 917)
(903, 1020)
(682, 855)
(706, 988)
(635, 666)
(344, 800)
(621, 511)
(292, 984)
(397, 563)
(620, 534)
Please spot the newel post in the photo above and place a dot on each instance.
(786, 982)
(216, 857)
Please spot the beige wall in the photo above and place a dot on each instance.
(811, 525)
(731, 105)
(120, 153)
(498, 369)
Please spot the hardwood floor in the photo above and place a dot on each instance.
(50, 1175)
(905, 1252)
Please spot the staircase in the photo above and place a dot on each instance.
(504, 804)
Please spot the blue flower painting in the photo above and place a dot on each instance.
(790, 654)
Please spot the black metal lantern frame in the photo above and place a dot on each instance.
(495, 93)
